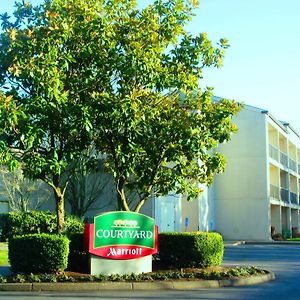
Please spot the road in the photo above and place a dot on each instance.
(284, 260)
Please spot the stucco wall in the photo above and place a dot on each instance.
(241, 198)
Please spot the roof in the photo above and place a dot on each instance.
(282, 124)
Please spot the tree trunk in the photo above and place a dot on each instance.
(122, 201)
(60, 211)
(59, 194)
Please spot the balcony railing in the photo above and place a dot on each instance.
(293, 198)
(273, 152)
(292, 165)
(284, 195)
(274, 191)
(299, 169)
(284, 159)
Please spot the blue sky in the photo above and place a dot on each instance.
(262, 66)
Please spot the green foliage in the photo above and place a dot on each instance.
(38, 253)
(73, 224)
(191, 249)
(19, 278)
(206, 274)
(48, 278)
(65, 278)
(19, 223)
(106, 74)
(34, 278)
(286, 234)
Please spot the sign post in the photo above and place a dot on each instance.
(121, 242)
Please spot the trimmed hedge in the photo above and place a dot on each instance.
(38, 253)
(191, 249)
(18, 223)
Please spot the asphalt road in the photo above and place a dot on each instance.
(284, 260)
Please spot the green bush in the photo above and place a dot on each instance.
(38, 253)
(18, 223)
(73, 224)
(191, 249)
(3, 226)
(286, 234)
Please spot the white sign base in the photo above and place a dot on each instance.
(100, 265)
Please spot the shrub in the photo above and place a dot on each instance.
(18, 223)
(73, 224)
(286, 234)
(38, 253)
(191, 249)
(78, 260)
(3, 226)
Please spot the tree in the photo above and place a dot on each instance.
(87, 183)
(44, 126)
(122, 79)
(21, 193)
(155, 125)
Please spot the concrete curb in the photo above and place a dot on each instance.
(272, 243)
(146, 285)
(238, 243)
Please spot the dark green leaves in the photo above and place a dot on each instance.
(122, 80)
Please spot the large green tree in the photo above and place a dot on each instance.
(155, 125)
(76, 73)
(44, 125)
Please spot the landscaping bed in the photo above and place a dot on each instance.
(209, 273)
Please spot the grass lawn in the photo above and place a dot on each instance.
(294, 239)
(3, 254)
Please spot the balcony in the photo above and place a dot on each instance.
(292, 165)
(284, 159)
(293, 198)
(284, 195)
(274, 191)
(273, 152)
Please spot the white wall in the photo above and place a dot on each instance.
(241, 198)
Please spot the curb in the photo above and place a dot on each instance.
(153, 285)
(239, 243)
(272, 243)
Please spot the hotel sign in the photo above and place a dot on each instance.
(122, 235)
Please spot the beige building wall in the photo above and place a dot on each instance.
(190, 215)
(241, 193)
(259, 193)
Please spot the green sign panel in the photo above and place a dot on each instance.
(123, 228)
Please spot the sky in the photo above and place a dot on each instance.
(262, 65)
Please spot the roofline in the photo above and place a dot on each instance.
(282, 124)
